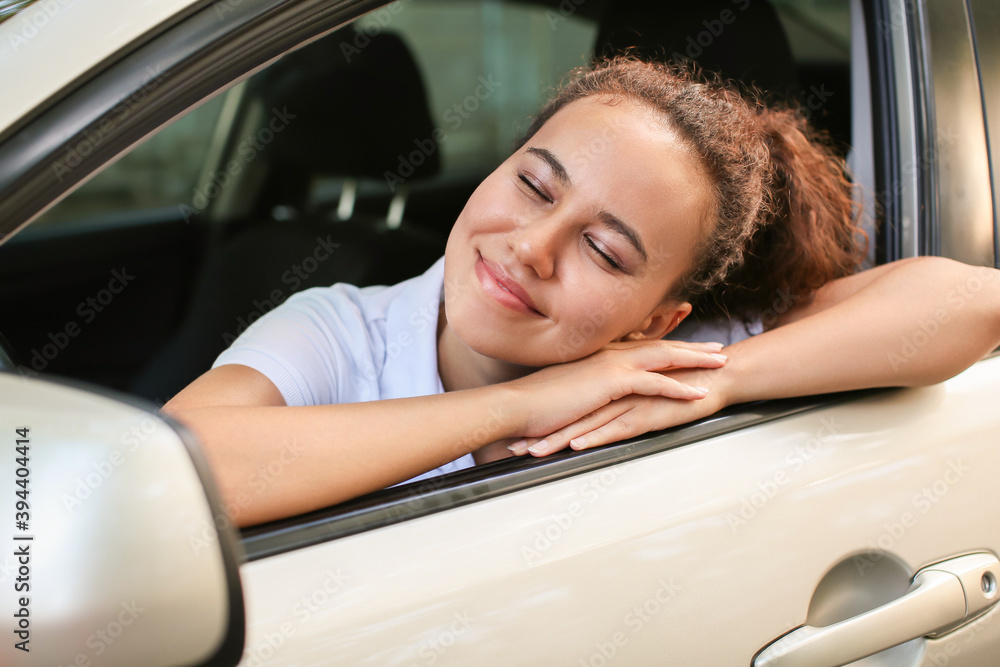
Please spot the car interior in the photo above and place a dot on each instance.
(347, 161)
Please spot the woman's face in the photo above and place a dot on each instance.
(575, 240)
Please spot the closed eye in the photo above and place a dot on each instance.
(608, 258)
(534, 188)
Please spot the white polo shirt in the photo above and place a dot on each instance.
(347, 344)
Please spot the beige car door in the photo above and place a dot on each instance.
(702, 554)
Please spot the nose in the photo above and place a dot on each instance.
(535, 245)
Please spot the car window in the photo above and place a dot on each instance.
(957, 157)
(483, 97)
(389, 122)
(160, 172)
(986, 23)
(394, 118)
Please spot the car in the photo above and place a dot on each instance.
(170, 171)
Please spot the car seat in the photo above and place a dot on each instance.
(352, 119)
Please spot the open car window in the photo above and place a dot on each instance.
(374, 134)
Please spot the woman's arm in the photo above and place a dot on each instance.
(909, 323)
(271, 460)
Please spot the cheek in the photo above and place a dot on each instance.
(600, 316)
(490, 208)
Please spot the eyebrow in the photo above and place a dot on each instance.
(621, 228)
(557, 166)
(609, 220)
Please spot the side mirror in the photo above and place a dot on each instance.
(110, 552)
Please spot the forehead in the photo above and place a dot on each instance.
(626, 158)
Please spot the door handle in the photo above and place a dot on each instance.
(941, 598)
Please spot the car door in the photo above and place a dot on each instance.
(692, 548)
(705, 545)
(701, 545)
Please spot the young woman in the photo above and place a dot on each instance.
(639, 194)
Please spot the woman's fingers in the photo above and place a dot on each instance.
(605, 435)
(614, 416)
(521, 447)
(628, 344)
(559, 395)
(654, 384)
(664, 355)
(618, 420)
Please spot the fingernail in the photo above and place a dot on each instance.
(518, 448)
(717, 346)
(578, 443)
(701, 390)
(540, 447)
(720, 357)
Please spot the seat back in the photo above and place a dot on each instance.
(355, 114)
(743, 41)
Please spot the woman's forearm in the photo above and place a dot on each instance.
(272, 462)
(916, 324)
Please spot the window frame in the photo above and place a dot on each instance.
(985, 19)
(194, 60)
(201, 57)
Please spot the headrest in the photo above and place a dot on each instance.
(740, 39)
(358, 103)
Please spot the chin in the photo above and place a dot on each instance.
(484, 337)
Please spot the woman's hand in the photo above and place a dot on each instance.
(558, 399)
(631, 416)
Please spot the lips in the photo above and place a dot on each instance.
(505, 290)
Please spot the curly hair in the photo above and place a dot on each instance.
(785, 219)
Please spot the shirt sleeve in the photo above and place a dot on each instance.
(722, 331)
(316, 348)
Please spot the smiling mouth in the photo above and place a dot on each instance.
(504, 290)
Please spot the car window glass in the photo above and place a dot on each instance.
(327, 134)
(487, 66)
(159, 172)
(986, 24)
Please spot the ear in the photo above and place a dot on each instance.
(661, 321)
